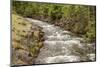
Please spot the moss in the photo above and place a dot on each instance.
(25, 40)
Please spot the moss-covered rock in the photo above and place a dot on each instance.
(27, 40)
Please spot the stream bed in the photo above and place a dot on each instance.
(61, 46)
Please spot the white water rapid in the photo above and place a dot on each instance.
(61, 46)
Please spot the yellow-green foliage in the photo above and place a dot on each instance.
(26, 42)
(75, 18)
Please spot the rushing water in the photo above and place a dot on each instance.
(61, 46)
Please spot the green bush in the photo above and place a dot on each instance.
(79, 19)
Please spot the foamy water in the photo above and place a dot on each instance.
(59, 46)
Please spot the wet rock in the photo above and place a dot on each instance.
(23, 56)
(91, 57)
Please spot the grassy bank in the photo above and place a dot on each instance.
(26, 41)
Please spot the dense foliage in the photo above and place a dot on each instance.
(78, 19)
